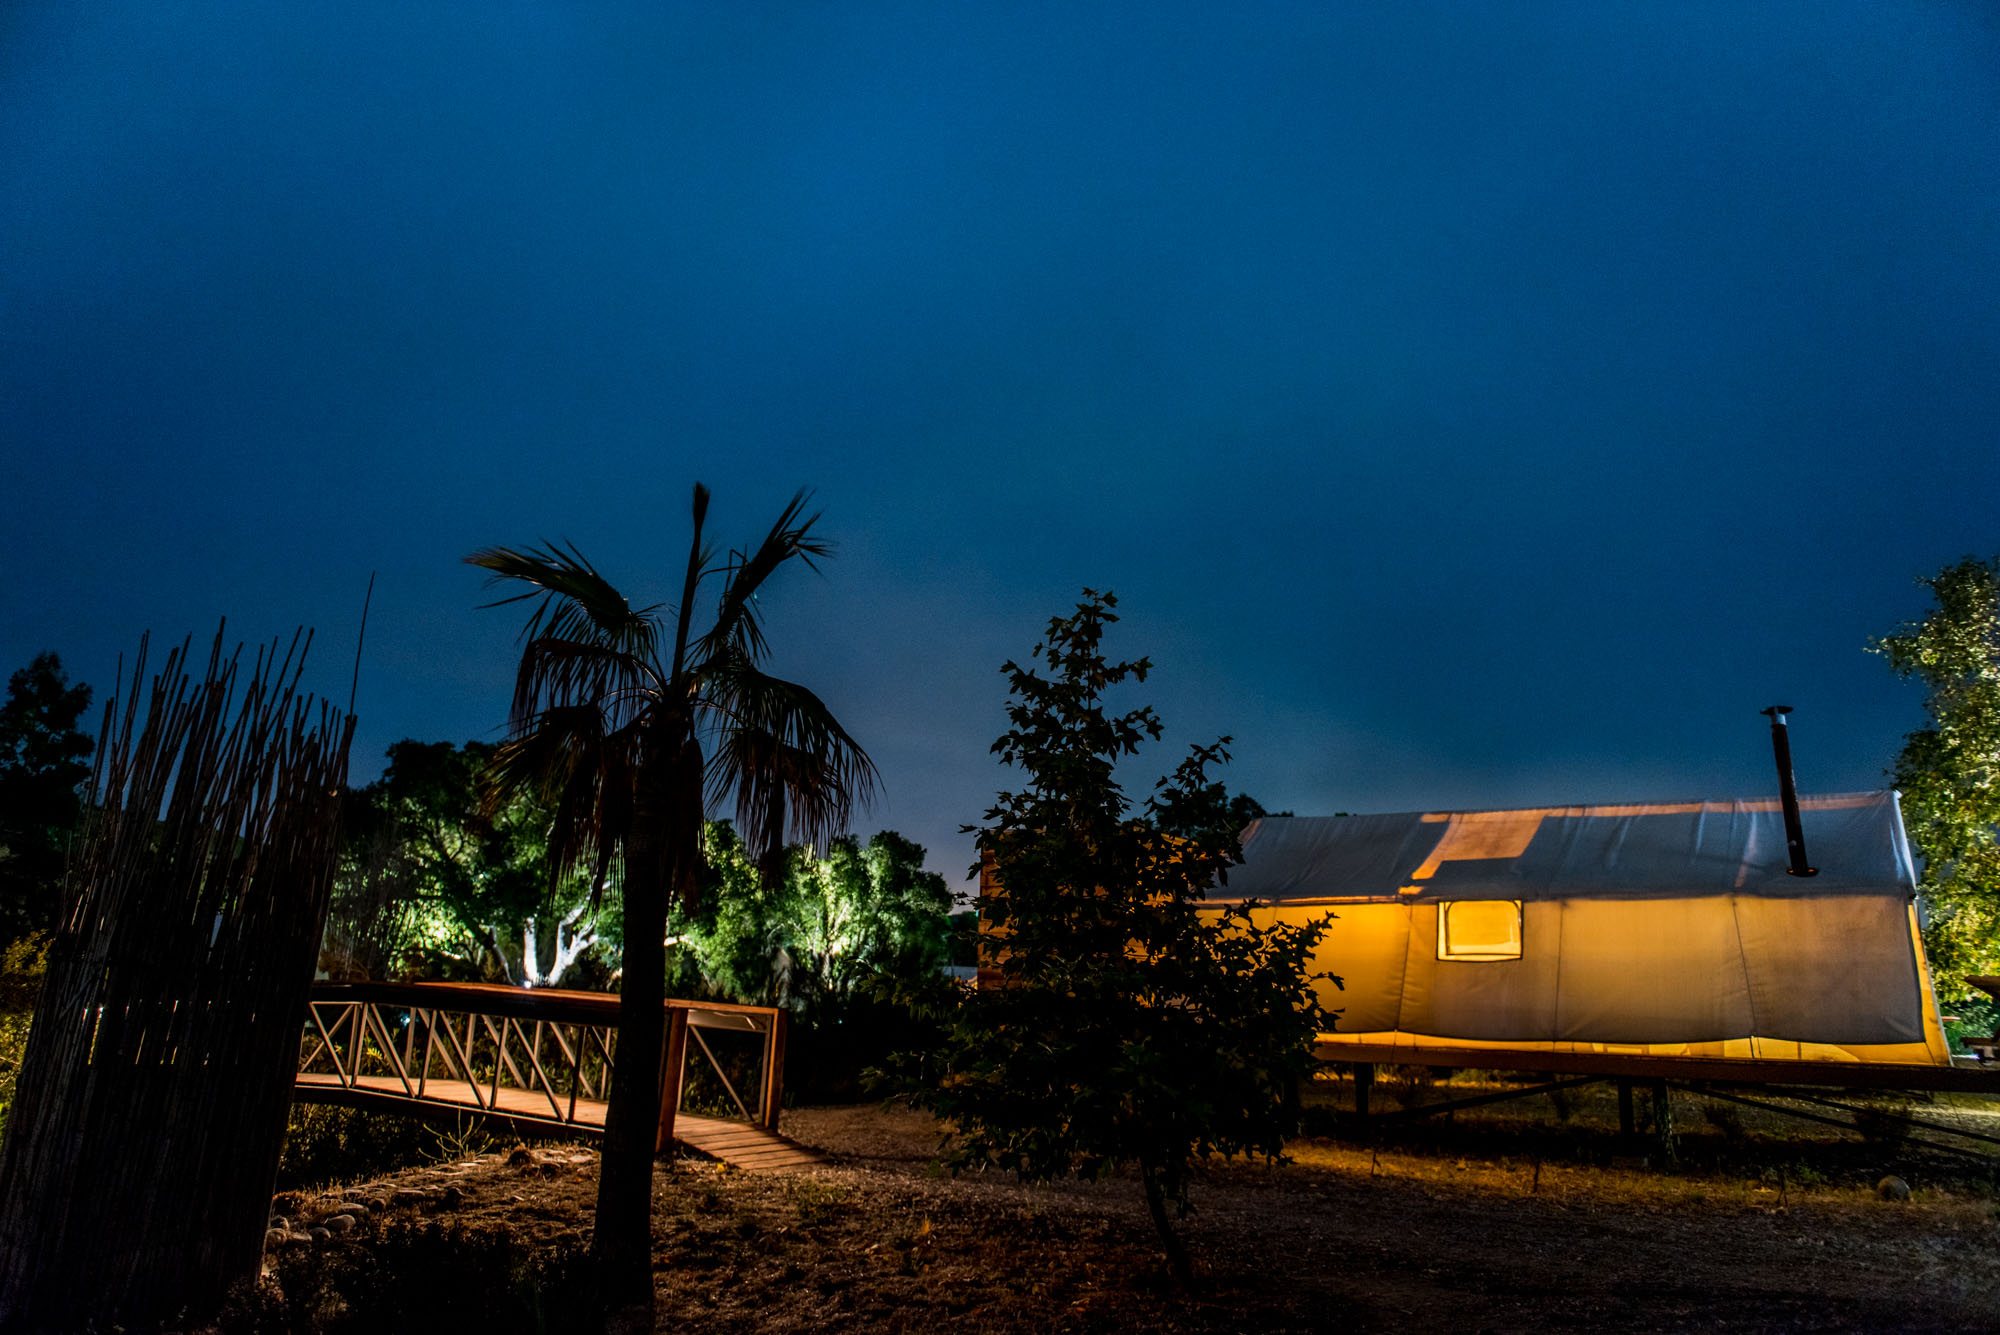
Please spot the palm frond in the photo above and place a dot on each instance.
(599, 721)
(699, 555)
(793, 770)
(737, 622)
(565, 756)
(556, 672)
(577, 603)
(538, 758)
(611, 819)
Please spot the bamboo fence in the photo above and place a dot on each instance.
(140, 1156)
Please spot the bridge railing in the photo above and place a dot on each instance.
(537, 1057)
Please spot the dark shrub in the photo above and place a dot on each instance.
(420, 1275)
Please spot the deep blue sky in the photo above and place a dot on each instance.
(1471, 405)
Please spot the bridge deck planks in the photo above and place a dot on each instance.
(748, 1147)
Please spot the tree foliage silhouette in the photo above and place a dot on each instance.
(1132, 1023)
(44, 760)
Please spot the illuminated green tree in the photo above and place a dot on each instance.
(862, 912)
(1949, 772)
(728, 942)
(435, 877)
(829, 926)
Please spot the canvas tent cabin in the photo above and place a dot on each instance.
(1655, 930)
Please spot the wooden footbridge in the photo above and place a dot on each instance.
(539, 1062)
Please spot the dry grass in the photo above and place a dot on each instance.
(1508, 1220)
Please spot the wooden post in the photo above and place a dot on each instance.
(774, 1069)
(672, 1070)
(1663, 1123)
(1364, 1080)
(1625, 1114)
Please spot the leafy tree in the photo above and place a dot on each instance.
(1185, 814)
(627, 721)
(1132, 1024)
(44, 761)
(830, 926)
(962, 939)
(1949, 772)
(861, 913)
(852, 943)
(24, 965)
(730, 940)
(432, 871)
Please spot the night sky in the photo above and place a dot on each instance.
(1471, 405)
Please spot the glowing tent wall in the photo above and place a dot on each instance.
(1668, 929)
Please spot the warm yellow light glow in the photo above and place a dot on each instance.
(1482, 834)
(1479, 929)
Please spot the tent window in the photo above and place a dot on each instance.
(1479, 929)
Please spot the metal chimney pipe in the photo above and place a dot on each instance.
(1788, 792)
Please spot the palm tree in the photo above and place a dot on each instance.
(628, 723)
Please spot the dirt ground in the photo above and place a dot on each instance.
(1518, 1220)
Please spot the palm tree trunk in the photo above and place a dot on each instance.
(622, 1245)
(660, 858)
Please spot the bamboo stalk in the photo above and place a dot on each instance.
(140, 1155)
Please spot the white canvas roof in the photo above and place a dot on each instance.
(1661, 850)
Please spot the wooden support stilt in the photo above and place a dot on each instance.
(774, 1070)
(1663, 1123)
(1449, 1109)
(1625, 1126)
(672, 1069)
